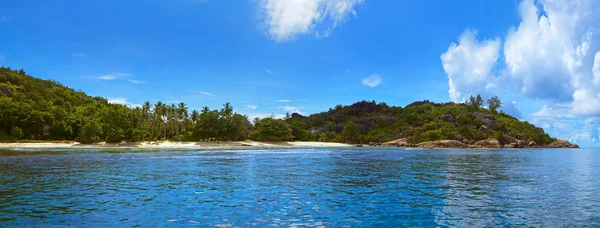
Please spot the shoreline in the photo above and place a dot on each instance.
(173, 145)
(439, 144)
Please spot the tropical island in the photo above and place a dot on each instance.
(37, 110)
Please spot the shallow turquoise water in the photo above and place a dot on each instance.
(361, 187)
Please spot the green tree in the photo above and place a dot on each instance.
(494, 104)
(16, 132)
(91, 132)
(270, 129)
(351, 132)
(479, 100)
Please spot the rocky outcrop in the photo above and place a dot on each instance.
(6, 91)
(520, 144)
(448, 118)
(398, 142)
(375, 144)
(488, 143)
(488, 120)
(442, 144)
(458, 136)
(559, 143)
(515, 144)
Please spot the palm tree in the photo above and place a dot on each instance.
(182, 111)
(227, 110)
(159, 113)
(195, 116)
(146, 107)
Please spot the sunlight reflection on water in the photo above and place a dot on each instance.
(300, 187)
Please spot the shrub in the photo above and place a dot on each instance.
(16, 132)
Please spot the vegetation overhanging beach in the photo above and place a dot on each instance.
(43, 111)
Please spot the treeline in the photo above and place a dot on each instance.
(35, 109)
(366, 122)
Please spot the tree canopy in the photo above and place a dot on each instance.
(36, 109)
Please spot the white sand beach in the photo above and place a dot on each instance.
(175, 145)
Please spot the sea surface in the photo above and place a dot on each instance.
(312, 187)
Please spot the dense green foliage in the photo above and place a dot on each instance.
(36, 109)
(365, 122)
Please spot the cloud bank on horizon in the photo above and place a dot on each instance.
(553, 55)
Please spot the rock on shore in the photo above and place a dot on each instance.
(486, 143)
(442, 144)
(398, 142)
(559, 143)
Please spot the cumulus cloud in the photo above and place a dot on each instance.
(553, 55)
(469, 64)
(372, 81)
(251, 106)
(287, 19)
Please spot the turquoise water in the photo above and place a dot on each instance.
(359, 187)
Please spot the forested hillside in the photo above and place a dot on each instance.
(36, 109)
(365, 122)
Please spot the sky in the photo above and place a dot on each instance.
(271, 57)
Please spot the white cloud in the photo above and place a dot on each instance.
(205, 93)
(469, 64)
(283, 101)
(135, 81)
(251, 106)
(287, 19)
(117, 100)
(292, 109)
(265, 115)
(5, 18)
(107, 77)
(372, 81)
(113, 76)
(268, 71)
(582, 131)
(511, 108)
(553, 55)
(122, 101)
(554, 110)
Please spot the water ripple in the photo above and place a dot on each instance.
(300, 188)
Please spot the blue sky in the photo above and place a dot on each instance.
(277, 56)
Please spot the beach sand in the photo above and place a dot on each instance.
(177, 145)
